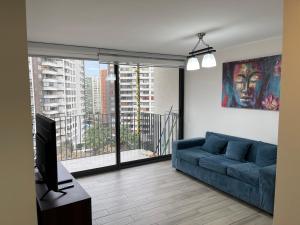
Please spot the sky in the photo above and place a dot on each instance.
(92, 68)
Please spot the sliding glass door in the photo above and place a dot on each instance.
(148, 111)
(105, 117)
(79, 96)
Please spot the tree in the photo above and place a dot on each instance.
(101, 138)
(129, 138)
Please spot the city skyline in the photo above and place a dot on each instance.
(93, 68)
(66, 90)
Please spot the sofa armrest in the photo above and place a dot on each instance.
(187, 143)
(183, 144)
(267, 177)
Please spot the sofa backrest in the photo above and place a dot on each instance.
(252, 152)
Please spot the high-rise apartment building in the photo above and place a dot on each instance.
(92, 94)
(129, 90)
(62, 91)
(58, 93)
(104, 92)
(107, 88)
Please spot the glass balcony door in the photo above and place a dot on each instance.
(92, 131)
(148, 111)
(79, 96)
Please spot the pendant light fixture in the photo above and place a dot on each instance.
(208, 60)
(192, 64)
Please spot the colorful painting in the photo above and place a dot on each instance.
(252, 84)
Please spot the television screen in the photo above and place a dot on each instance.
(46, 159)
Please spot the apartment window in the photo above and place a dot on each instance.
(78, 95)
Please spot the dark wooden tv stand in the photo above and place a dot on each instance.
(72, 208)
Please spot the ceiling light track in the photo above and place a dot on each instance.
(200, 50)
(201, 53)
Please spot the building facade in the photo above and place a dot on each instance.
(92, 95)
(62, 91)
(129, 92)
(58, 93)
(107, 87)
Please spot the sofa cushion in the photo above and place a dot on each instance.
(214, 144)
(237, 150)
(217, 163)
(266, 154)
(192, 155)
(251, 155)
(246, 172)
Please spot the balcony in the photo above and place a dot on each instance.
(52, 104)
(51, 72)
(51, 112)
(49, 63)
(49, 80)
(53, 88)
(90, 141)
(54, 96)
(108, 159)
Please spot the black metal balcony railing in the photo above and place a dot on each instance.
(94, 134)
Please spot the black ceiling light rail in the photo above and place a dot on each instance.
(201, 50)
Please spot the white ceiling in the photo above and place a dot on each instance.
(159, 26)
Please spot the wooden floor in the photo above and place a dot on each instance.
(158, 194)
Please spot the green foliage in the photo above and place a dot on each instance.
(129, 138)
(102, 137)
(97, 137)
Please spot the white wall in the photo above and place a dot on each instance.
(166, 89)
(203, 94)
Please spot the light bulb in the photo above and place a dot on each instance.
(192, 64)
(208, 61)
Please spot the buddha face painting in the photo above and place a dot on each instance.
(252, 83)
(247, 84)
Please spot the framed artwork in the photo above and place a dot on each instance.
(252, 84)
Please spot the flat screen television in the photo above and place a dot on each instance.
(46, 155)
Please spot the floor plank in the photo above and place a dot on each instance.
(156, 194)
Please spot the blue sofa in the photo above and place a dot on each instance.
(251, 179)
